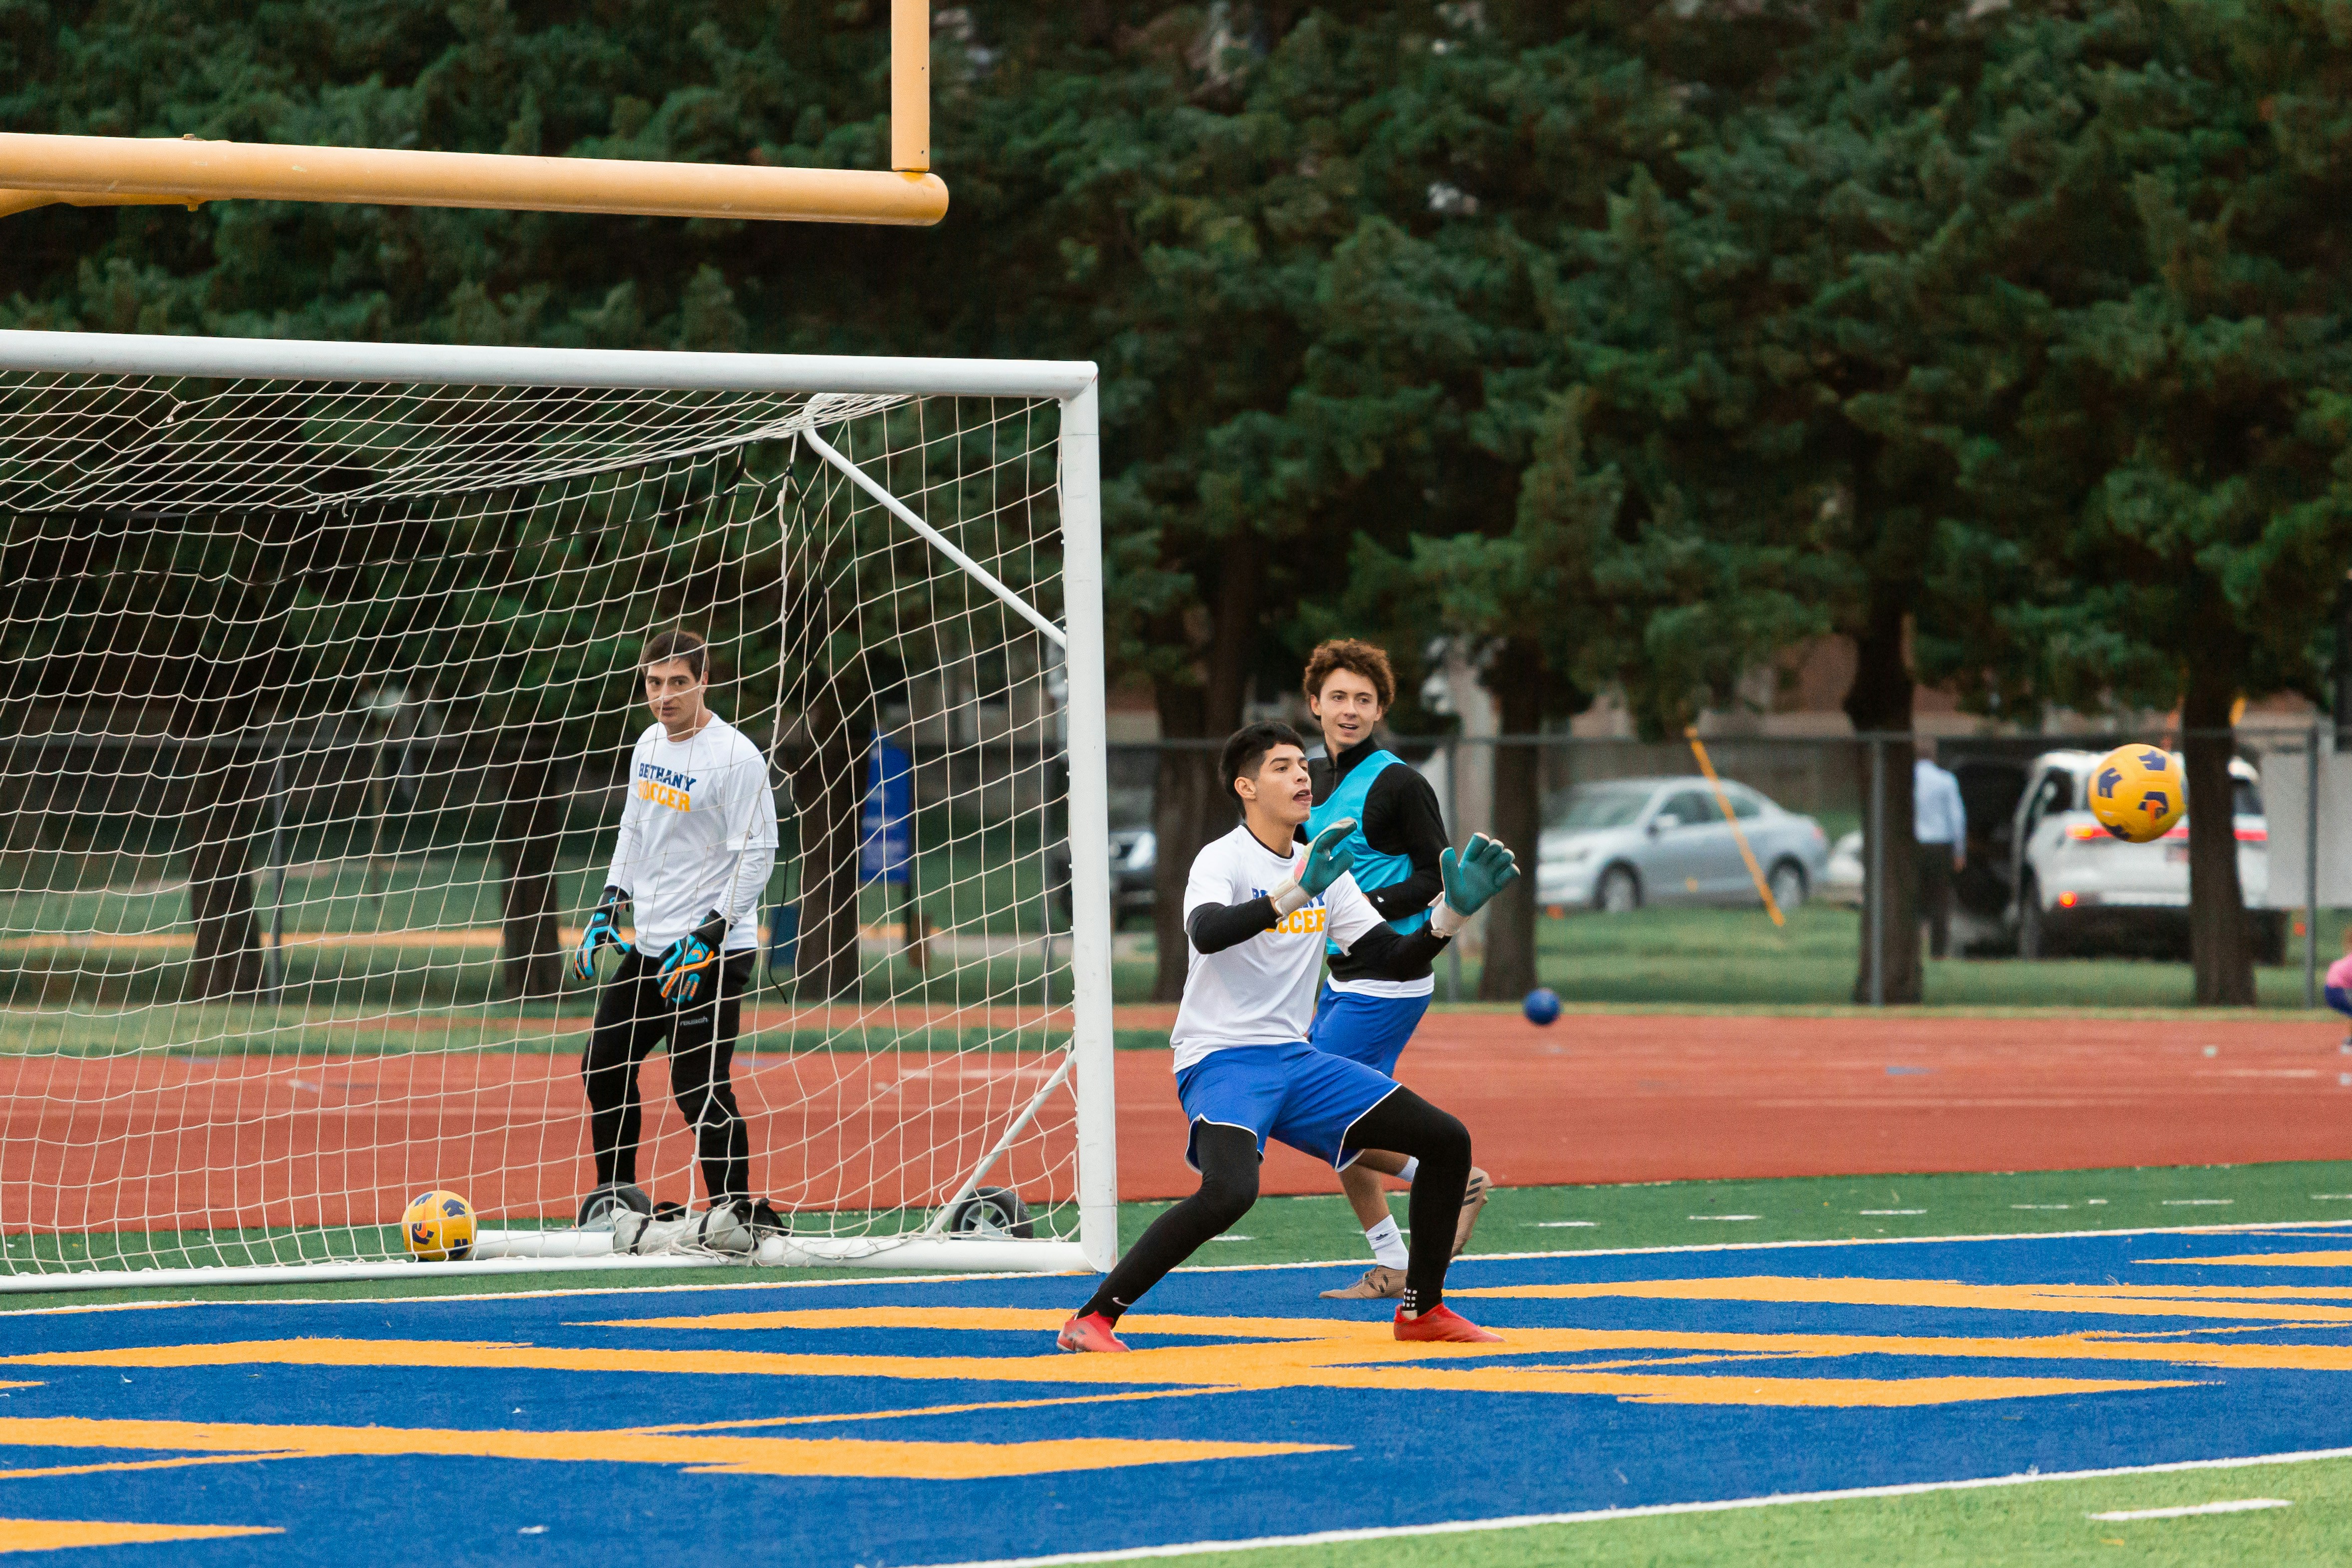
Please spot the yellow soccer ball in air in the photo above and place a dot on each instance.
(438, 1227)
(2137, 793)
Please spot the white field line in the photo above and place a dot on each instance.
(2239, 1227)
(2243, 1505)
(2242, 1226)
(1655, 1510)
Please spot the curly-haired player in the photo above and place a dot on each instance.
(1366, 1013)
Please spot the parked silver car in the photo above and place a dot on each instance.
(1630, 841)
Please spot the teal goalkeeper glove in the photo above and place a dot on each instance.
(603, 927)
(1327, 862)
(1472, 880)
(687, 960)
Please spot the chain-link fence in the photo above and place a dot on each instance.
(1655, 883)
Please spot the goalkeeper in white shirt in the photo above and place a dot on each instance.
(1257, 914)
(697, 841)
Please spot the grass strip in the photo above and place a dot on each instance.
(2046, 1521)
(1531, 1219)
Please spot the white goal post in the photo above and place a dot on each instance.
(318, 682)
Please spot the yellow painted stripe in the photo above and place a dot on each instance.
(55, 1534)
(1028, 1320)
(113, 1464)
(1348, 1362)
(699, 1454)
(835, 1417)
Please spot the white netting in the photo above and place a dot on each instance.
(316, 700)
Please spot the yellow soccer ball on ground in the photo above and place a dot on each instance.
(439, 1226)
(2137, 792)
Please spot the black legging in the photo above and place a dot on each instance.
(631, 1017)
(1404, 1122)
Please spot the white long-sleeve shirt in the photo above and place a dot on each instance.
(1261, 991)
(698, 834)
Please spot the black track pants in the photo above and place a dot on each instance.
(632, 1019)
(1404, 1122)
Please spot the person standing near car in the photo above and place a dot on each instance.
(1940, 824)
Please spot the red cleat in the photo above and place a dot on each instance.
(1439, 1325)
(1093, 1331)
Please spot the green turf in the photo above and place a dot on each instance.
(1555, 1220)
(1648, 957)
(1816, 1209)
(2041, 1522)
(1737, 957)
(966, 880)
(236, 1030)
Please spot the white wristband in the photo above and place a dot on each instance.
(1288, 895)
(1443, 918)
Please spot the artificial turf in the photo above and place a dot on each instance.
(2042, 1522)
(1573, 1219)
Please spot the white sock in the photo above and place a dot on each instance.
(1412, 1165)
(1387, 1243)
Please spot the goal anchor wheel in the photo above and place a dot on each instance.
(600, 1206)
(991, 1211)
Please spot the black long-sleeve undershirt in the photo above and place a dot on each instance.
(1380, 953)
(1213, 927)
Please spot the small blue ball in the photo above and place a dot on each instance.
(1542, 1005)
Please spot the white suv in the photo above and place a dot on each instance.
(2079, 886)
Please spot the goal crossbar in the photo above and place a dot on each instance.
(295, 359)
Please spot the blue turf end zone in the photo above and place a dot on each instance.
(548, 1428)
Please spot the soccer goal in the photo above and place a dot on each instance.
(321, 681)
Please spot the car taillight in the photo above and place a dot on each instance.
(2254, 835)
(2068, 899)
(2085, 831)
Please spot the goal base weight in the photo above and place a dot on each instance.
(500, 1254)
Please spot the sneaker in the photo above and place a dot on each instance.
(1380, 1283)
(1441, 1324)
(1092, 1332)
(1473, 1199)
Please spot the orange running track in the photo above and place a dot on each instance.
(1657, 1097)
(165, 1142)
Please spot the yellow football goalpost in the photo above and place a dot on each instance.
(122, 171)
(883, 1121)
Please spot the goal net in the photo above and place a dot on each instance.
(321, 673)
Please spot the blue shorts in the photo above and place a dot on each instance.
(1366, 1028)
(1294, 1094)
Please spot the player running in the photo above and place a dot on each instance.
(1364, 1015)
(697, 839)
(1255, 919)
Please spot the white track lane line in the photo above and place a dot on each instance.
(2243, 1505)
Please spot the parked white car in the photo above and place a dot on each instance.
(1618, 845)
(1847, 874)
(2080, 886)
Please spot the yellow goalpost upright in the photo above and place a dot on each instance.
(895, 556)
